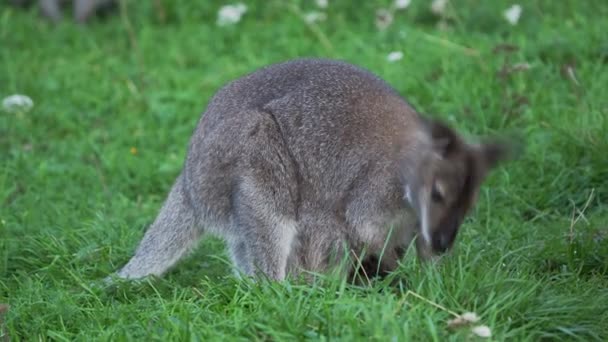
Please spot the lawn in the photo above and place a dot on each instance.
(84, 172)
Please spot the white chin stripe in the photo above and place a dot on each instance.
(424, 222)
(408, 195)
(424, 219)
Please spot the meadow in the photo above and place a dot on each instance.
(84, 172)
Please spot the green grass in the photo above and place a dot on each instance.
(532, 259)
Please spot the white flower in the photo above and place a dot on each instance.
(322, 3)
(402, 4)
(463, 320)
(512, 14)
(384, 18)
(314, 16)
(230, 14)
(470, 317)
(438, 6)
(482, 331)
(17, 103)
(394, 56)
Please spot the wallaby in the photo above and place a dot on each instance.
(310, 158)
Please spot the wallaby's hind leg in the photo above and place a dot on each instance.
(265, 245)
(174, 232)
(241, 257)
(264, 208)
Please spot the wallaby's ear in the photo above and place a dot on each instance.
(445, 139)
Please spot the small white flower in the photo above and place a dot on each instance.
(438, 6)
(512, 14)
(470, 317)
(394, 56)
(322, 3)
(465, 319)
(230, 14)
(482, 331)
(384, 18)
(402, 4)
(17, 103)
(314, 16)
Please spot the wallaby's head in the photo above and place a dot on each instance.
(447, 182)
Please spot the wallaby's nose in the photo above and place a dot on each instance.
(441, 242)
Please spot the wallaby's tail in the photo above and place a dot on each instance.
(174, 232)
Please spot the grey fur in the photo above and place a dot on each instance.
(297, 160)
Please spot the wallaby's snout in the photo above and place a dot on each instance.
(443, 239)
(441, 243)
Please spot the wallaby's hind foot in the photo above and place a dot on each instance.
(174, 232)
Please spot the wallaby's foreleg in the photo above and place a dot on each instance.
(174, 232)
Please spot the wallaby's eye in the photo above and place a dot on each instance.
(436, 194)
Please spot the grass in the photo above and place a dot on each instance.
(84, 172)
